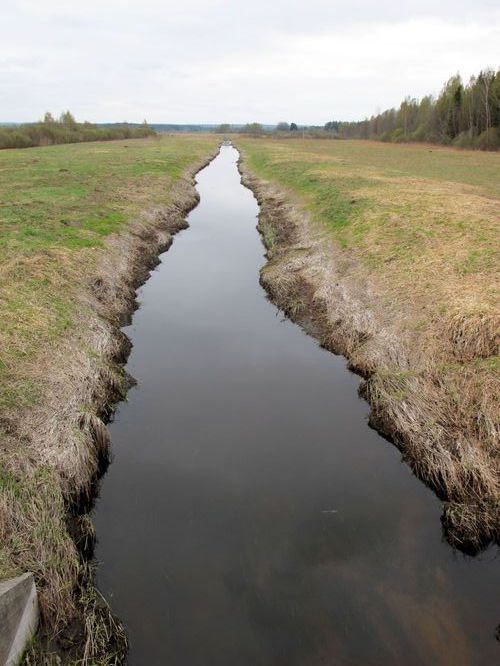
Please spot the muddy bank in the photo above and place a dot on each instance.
(336, 299)
(54, 453)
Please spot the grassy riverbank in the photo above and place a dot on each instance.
(79, 227)
(397, 251)
(59, 205)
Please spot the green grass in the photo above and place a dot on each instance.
(329, 201)
(71, 196)
(58, 205)
(475, 168)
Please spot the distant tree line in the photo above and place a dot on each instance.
(250, 128)
(284, 127)
(66, 129)
(465, 115)
(257, 129)
(223, 128)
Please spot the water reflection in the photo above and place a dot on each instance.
(250, 515)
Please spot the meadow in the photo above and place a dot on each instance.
(424, 219)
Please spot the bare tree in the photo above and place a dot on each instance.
(486, 79)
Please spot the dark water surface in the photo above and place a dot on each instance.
(250, 516)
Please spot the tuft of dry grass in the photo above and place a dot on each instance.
(473, 332)
(100, 640)
(34, 538)
(388, 255)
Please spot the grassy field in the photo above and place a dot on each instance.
(72, 220)
(417, 228)
(58, 206)
(406, 210)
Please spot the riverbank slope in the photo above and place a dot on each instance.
(387, 254)
(81, 226)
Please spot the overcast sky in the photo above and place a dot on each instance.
(233, 60)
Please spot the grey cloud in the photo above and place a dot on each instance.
(229, 60)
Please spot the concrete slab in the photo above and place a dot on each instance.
(18, 617)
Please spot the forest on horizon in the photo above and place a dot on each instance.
(464, 115)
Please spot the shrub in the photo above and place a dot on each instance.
(67, 130)
(488, 140)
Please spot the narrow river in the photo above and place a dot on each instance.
(250, 516)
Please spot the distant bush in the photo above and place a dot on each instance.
(385, 136)
(418, 135)
(13, 138)
(398, 136)
(223, 128)
(283, 127)
(488, 140)
(255, 129)
(464, 140)
(66, 130)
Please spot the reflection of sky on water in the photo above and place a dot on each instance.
(250, 515)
